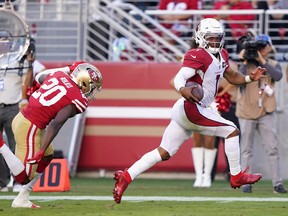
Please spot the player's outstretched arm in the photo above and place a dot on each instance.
(237, 78)
(52, 130)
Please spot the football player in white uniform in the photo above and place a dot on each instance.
(206, 65)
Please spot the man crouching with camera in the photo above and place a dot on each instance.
(256, 104)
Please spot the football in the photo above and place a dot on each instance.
(197, 91)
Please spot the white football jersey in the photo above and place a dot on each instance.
(209, 71)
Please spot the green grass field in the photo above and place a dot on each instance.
(93, 196)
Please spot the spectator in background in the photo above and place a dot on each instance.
(173, 22)
(256, 104)
(235, 25)
(279, 22)
(11, 80)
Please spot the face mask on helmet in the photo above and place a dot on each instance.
(89, 80)
(210, 35)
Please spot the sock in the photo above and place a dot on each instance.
(232, 151)
(144, 163)
(127, 177)
(23, 194)
(31, 184)
(14, 164)
(42, 165)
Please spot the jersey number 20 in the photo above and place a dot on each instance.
(51, 88)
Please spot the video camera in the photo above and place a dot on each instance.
(32, 48)
(251, 47)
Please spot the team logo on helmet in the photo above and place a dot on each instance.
(93, 75)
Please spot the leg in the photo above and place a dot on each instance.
(248, 128)
(198, 158)
(22, 200)
(214, 169)
(267, 129)
(3, 177)
(15, 165)
(10, 113)
(247, 141)
(209, 159)
(22, 129)
(173, 137)
(238, 178)
(231, 116)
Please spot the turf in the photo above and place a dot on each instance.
(96, 187)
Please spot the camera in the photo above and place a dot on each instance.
(251, 47)
(32, 48)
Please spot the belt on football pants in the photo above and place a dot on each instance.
(2, 105)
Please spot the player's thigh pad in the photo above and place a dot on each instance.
(174, 136)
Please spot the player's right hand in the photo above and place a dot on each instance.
(186, 92)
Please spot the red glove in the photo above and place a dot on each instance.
(36, 159)
(74, 65)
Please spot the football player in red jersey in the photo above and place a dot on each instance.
(64, 92)
(206, 65)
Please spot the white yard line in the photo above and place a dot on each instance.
(155, 198)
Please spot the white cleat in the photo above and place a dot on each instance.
(206, 182)
(20, 203)
(198, 182)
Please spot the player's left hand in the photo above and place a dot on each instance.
(36, 159)
(257, 73)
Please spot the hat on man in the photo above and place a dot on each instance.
(264, 37)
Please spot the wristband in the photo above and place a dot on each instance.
(248, 79)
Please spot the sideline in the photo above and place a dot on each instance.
(155, 198)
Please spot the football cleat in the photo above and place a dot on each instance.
(243, 178)
(23, 203)
(121, 184)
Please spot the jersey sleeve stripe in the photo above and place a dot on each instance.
(80, 106)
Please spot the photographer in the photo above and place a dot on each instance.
(30, 85)
(12, 78)
(256, 104)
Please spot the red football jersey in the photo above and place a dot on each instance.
(57, 91)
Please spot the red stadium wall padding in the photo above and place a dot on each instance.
(129, 116)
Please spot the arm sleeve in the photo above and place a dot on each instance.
(41, 76)
(183, 74)
(274, 72)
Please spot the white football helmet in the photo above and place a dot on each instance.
(210, 35)
(88, 78)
